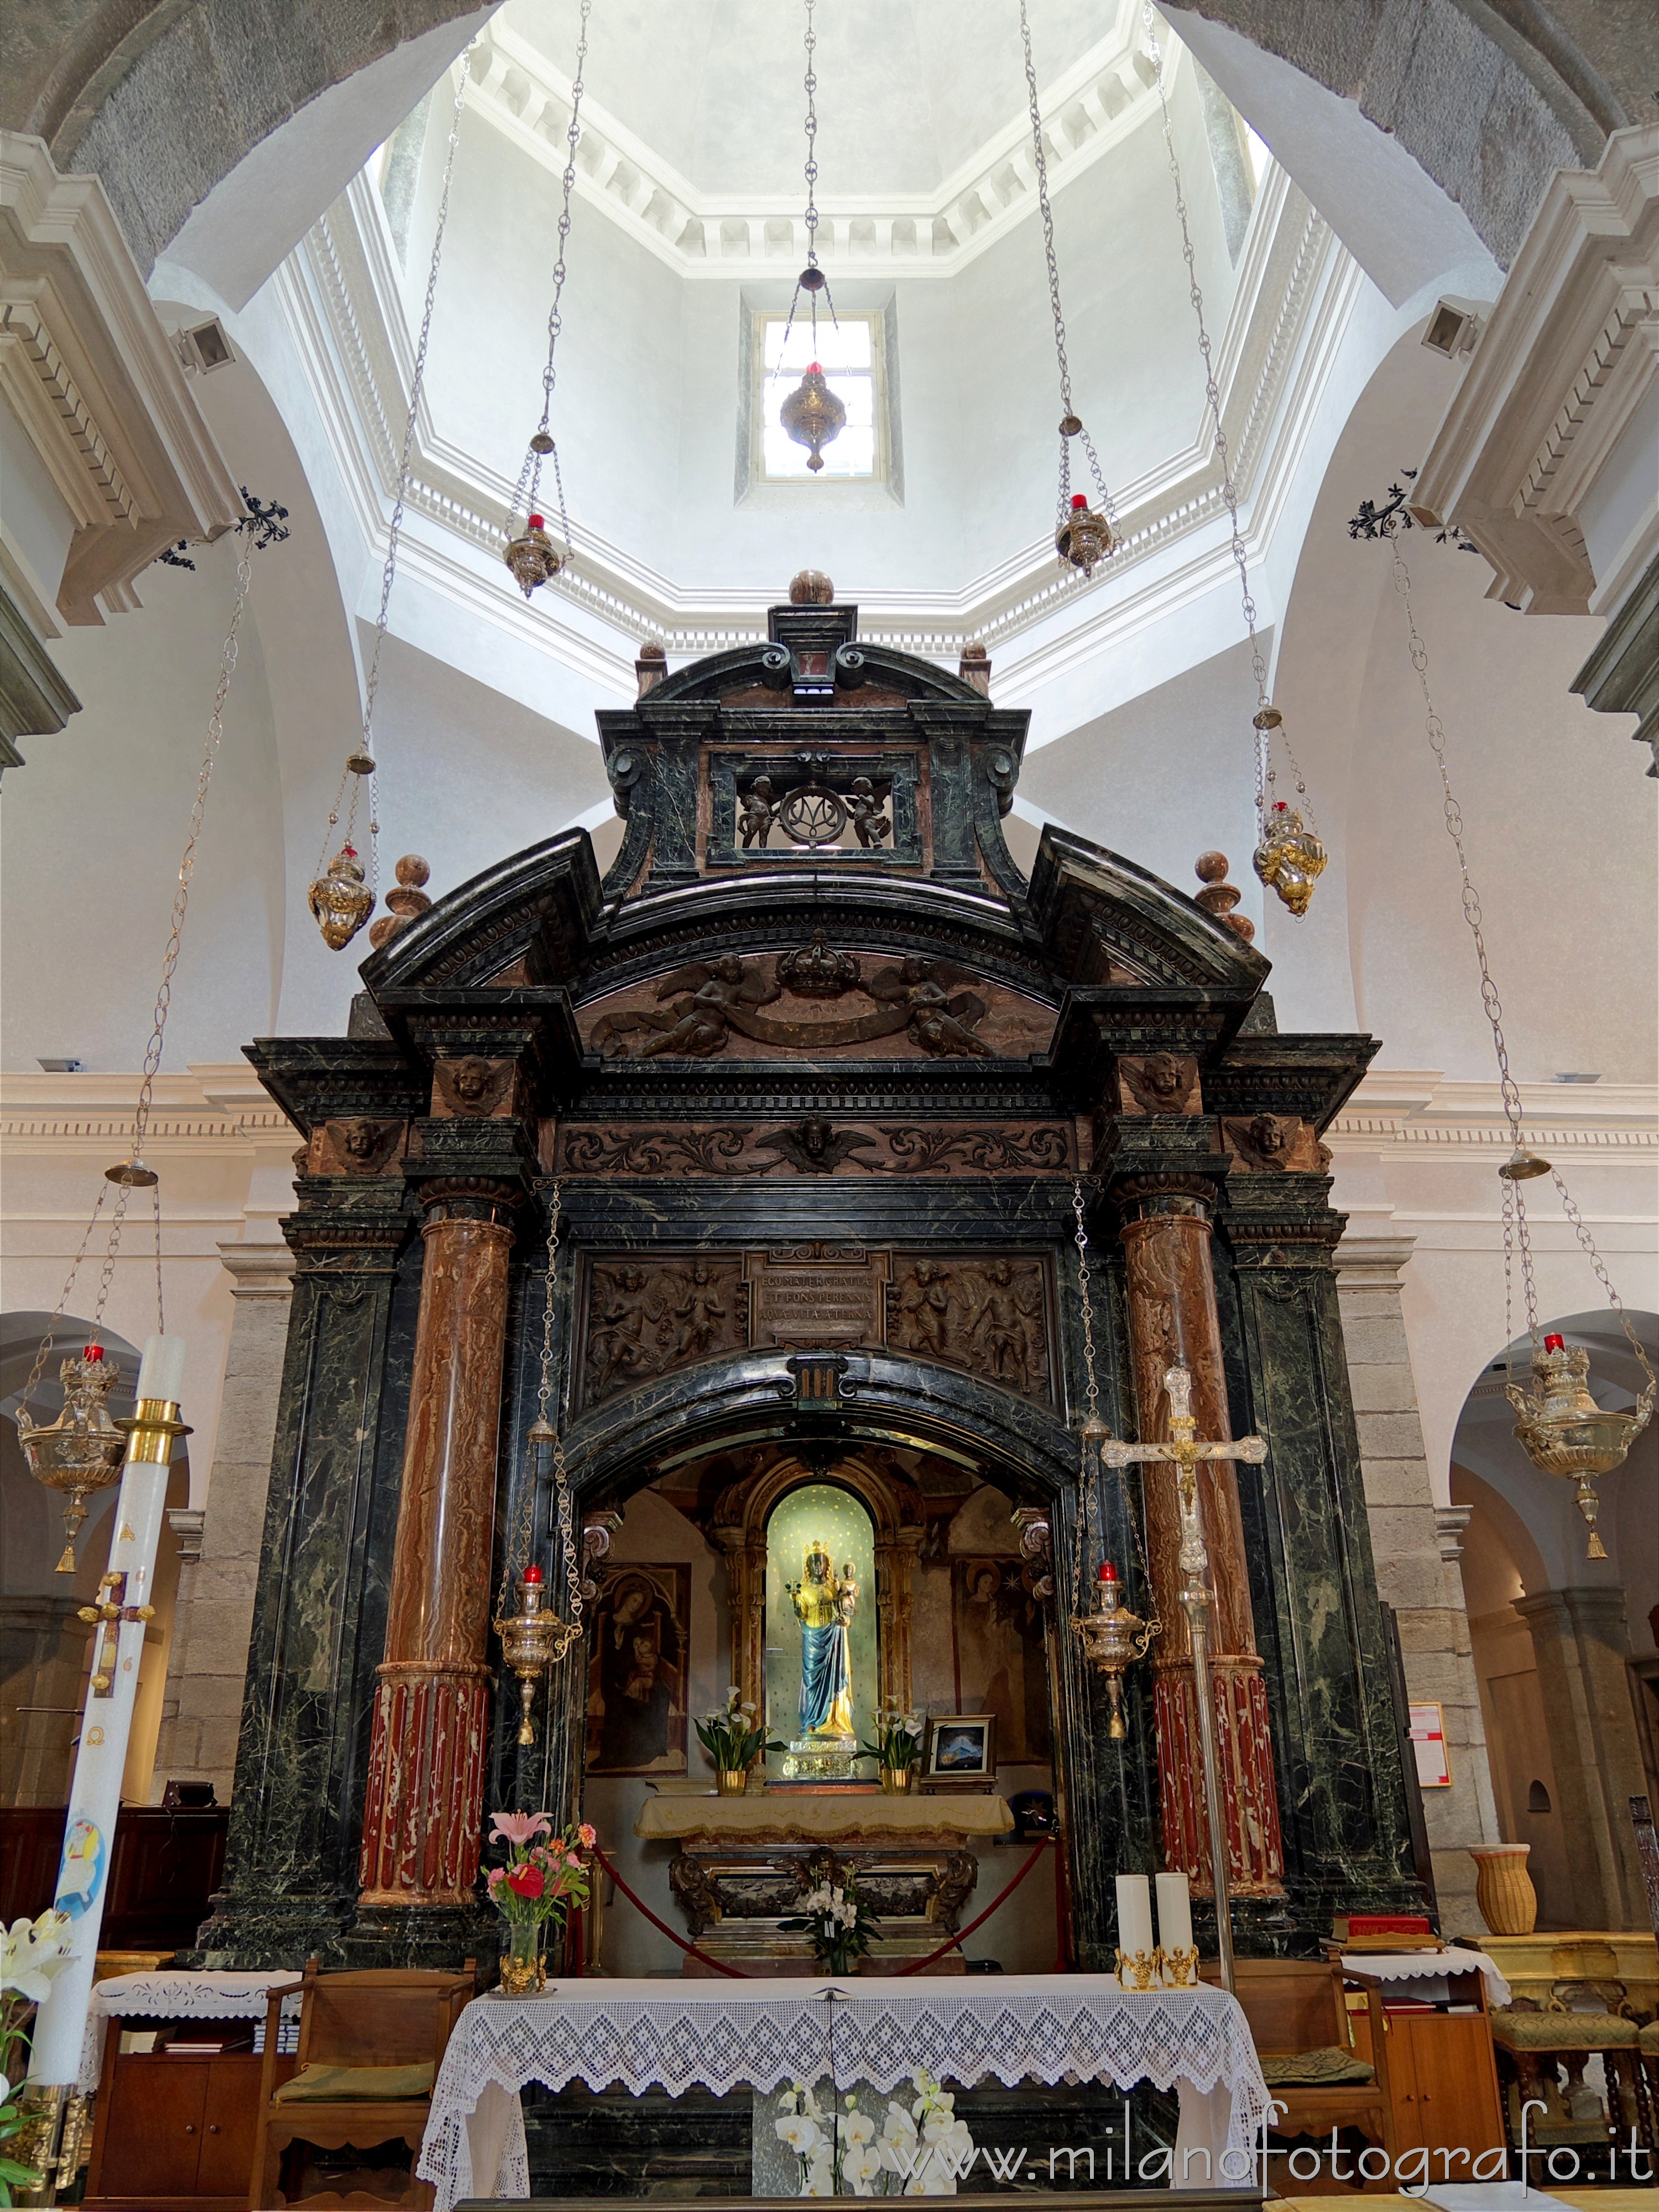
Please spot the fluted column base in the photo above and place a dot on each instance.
(426, 1768)
(1256, 1847)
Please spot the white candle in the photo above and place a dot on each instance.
(1175, 1912)
(1135, 1914)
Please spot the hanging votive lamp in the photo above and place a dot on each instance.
(82, 1450)
(1563, 1430)
(811, 416)
(1113, 1639)
(533, 557)
(340, 899)
(1085, 538)
(1289, 858)
(533, 1639)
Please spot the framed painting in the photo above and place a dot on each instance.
(636, 1671)
(961, 1751)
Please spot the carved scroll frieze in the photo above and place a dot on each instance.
(914, 1006)
(985, 1313)
(816, 1145)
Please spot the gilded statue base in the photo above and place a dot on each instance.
(821, 1758)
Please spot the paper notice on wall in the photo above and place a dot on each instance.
(1428, 1735)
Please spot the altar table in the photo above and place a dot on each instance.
(678, 2035)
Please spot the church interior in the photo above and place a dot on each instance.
(830, 1308)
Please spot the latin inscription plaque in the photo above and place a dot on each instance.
(802, 1303)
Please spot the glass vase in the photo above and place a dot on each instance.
(524, 1958)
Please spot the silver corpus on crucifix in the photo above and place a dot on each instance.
(1184, 1452)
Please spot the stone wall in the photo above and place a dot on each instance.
(219, 1544)
(1415, 1544)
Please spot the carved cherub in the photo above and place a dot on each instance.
(924, 1309)
(756, 813)
(1161, 1084)
(1274, 1141)
(616, 1344)
(997, 1327)
(475, 1085)
(943, 1016)
(812, 1147)
(696, 1024)
(700, 1314)
(864, 811)
(362, 1145)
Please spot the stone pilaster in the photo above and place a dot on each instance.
(1581, 1638)
(1415, 1545)
(319, 1608)
(1347, 1842)
(219, 1555)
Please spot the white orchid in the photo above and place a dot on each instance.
(820, 2177)
(32, 1952)
(790, 2100)
(858, 2129)
(800, 2133)
(862, 2166)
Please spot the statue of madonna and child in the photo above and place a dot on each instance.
(825, 1603)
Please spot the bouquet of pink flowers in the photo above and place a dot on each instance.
(544, 1873)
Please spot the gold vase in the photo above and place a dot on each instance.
(524, 1958)
(895, 1780)
(1504, 1890)
(732, 1781)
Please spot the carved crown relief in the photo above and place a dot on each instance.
(911, 1006)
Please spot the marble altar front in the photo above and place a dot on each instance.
(742, 1863)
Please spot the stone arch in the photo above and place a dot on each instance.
(163, 100)
(1489, 97)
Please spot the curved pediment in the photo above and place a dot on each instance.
(763, 674)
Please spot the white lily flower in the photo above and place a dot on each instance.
(33, 1951)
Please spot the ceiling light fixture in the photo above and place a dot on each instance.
(1288, 856)
(531, 555)
(811, 416)
(339, 898)
(1084, 535)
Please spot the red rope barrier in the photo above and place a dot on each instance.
(737, 1973)
(916, 1964)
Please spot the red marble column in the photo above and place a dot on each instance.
(423, 1808)
(1172, 1315)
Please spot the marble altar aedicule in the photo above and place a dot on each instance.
(817, 1112)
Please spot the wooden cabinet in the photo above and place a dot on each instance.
(174, 2134)
(1442, 2077)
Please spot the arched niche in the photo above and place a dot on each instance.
(742, 1517)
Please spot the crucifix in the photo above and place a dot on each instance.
(1183, 1451)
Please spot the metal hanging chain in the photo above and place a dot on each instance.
(1515, 1229)
(1092, 1425)
(1071, 424)
(812, 271)
(360, 763)
(542, 443)
(131, 1174)
(1265, 777)
(545, 1428)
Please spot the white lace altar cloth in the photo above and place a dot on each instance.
(177, 1997)
(1429, 1966)
(721, 2035)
